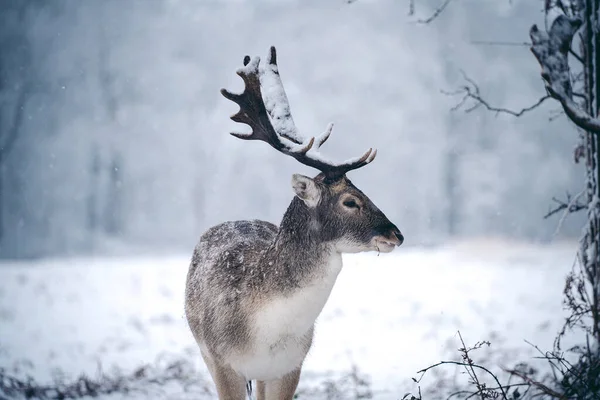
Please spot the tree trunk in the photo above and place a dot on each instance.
(3, 196)
(590, 243)
(452, 183)
(112, 214)
(92, 198)
(594, 268)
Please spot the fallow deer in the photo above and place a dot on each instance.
(254, 290)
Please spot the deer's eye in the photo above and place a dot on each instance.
(350, 203)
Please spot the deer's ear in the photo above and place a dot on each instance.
(306, 189)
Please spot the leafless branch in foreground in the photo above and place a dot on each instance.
(481, 390)
(564, 381)
(539, 385)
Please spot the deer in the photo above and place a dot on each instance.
(254, 289)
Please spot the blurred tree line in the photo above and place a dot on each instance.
(113, 136)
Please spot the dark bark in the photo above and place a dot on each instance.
(591, 243)
(594, 267)
(552, 52)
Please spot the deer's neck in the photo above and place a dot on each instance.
(299, 230)
(300, 271)
(299, 256)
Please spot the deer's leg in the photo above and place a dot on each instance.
(230, 385)
(282, 388)
(260, 390)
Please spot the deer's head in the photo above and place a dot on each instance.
(338, 210)
(344, 215)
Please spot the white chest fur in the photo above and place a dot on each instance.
(281, 327)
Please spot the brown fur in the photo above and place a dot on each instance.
(238, 268)
(254, 291)
(279, 389)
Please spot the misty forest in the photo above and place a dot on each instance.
(115, 157)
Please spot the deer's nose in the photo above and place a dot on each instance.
(399, 236)
(392, 233)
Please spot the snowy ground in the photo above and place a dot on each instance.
(390, 314)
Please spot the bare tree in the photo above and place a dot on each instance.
(105, 196)
(9, 133)
(576, 27)
(568, 51)
(15, 86)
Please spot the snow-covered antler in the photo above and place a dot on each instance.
(264, 107)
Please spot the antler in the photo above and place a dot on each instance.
(268, 114)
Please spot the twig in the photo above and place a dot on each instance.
(550, 357)
(577, 56)
(471, 91)
(469, 361)
(500, 43)
(424, 370)
(570, 206)
(545, 389)
(555, 114)
(436, 13)
(573, 206)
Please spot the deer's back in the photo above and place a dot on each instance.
(222, 274)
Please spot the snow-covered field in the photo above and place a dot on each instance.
(389, 314)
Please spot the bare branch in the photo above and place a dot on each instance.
(472, 92)
(436, 13)
(466, 365)
(500, 43)
(543, 388)
(578, 115)
(577, 56)
(555, 114)
(572, 205)
(551, 49)
(470, 369)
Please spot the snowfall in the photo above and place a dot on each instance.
(389, 315)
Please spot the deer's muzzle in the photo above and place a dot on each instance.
(388, 235)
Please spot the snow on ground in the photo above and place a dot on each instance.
(390, 314)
